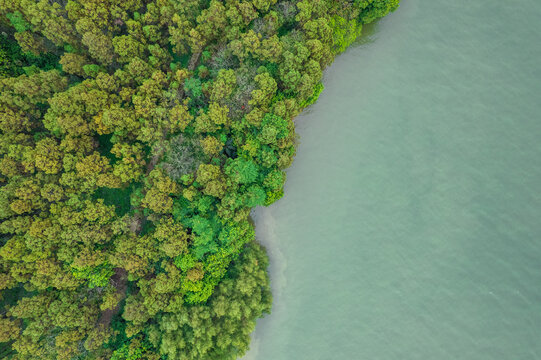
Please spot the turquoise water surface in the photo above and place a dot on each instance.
(411, 224)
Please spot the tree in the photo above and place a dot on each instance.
(135, 138)
(220, 330)
(160, 188)
(48, 156)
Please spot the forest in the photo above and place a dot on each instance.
(136, 137)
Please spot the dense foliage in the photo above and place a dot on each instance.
(136, 136)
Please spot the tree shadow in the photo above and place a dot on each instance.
(368, 35)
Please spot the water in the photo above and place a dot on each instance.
(411, 227)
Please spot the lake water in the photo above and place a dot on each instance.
(411, 224)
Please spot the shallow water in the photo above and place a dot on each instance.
(411, 227)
